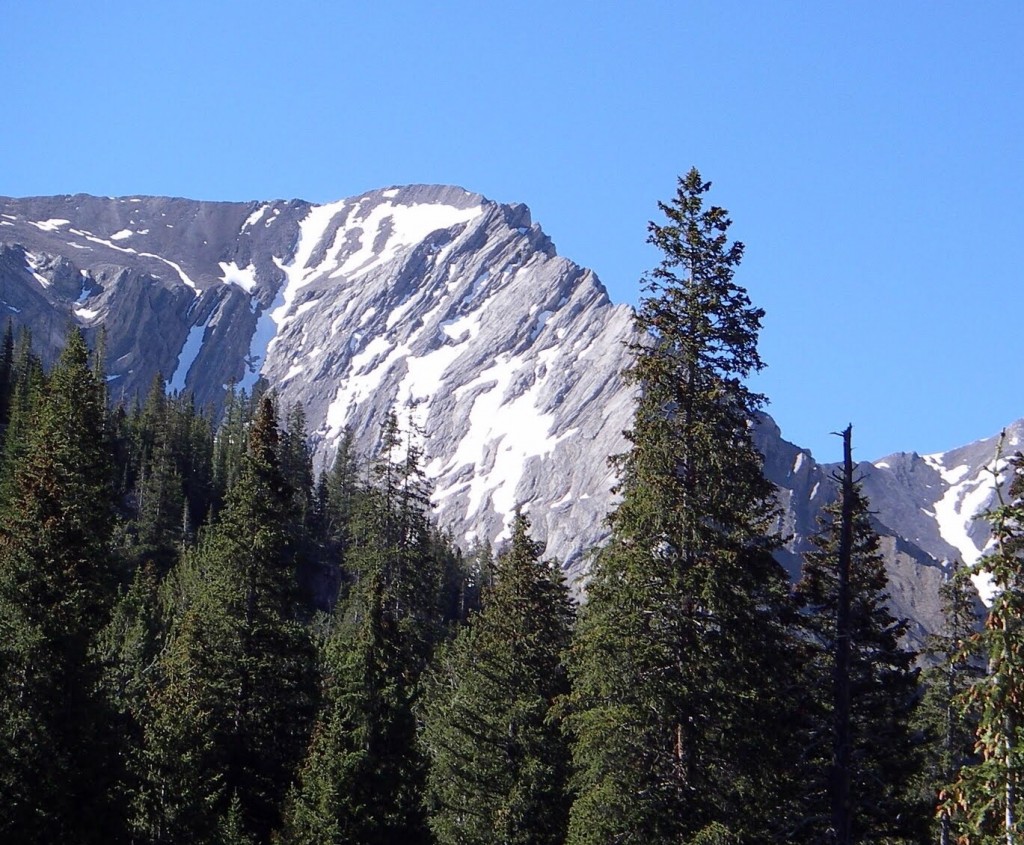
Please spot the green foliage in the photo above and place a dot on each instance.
(985, 801)
(682, 664)
(948, 727)
(885, 749)
(237, 693)
(498, 761)
(363, 774)
(56, 587)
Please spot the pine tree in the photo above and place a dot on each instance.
(498, 761)
(6, 375)
(862, 752)
(56, 588)
(950, 729)
(237, 695)
(684, 631)
(986, 797)
(363, 775)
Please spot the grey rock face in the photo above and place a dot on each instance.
(502, 360)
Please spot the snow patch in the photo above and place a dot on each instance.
(48, 225)
(457, 329)
(506, 430)
(956, 511)
(120, 236)
(409, 224)
(243, 277)
(542, 320)
(86, 313)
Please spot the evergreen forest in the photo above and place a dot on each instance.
(204, 638)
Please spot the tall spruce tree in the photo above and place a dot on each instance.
(682, 663)
(56, 588)
(986, 799)
(498, 761)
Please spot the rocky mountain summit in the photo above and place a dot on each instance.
(502, 360)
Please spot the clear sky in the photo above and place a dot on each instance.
(871, 155)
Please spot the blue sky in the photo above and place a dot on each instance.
(870, 154)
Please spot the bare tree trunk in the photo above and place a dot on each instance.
(841, 821)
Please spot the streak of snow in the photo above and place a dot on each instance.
(424, 378)
(254, 218)
(799, 462)
(399, 313)
(456, 329)
(173, 265)
(542, 320)
(34, 264)
(515, 428)
(187, 356)
(49, 225)
(478, 285)
(363, 378)
(120, 236)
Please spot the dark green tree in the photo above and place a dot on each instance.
(941, 717)
(56, 587)
(862, 754)
(682, 665)
(498, 760)
(363, 775)
(237, 697)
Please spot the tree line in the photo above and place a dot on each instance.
(204, 640)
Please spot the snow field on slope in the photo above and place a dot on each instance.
(515, 429)
(409, 224)
(956, 511)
